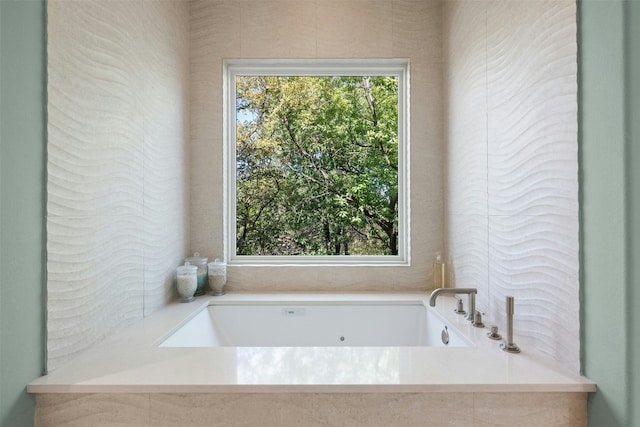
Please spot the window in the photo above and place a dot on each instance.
(316, 162)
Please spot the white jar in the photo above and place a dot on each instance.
(217, 276)
(201, 263)
(186, 281)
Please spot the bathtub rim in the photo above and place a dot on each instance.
(129, 363)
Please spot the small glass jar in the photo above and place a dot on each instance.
(201, 263)
(217, 276)
(186, 281)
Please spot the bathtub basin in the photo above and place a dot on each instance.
(316, 324)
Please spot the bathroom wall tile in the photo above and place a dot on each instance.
(117, 213)
(213, 24)
(166, 41)
(512, 158)
(466, 157)
(94, 281)
(417, 29)
(354, 29)
(216, 30)
(207, 220)
(468, 251)
(205, 128)
(80, 410)
(466, 188)
(339, 24)
(426, 92)
(165, 243)
(165, 146)
(207, 97)
(532, 87)
(427, 168)
(423, 249)
(466, 108)
(464, 29)
(530, 409)
(331, 278)
(536, 260)
(278, 29)
(94, 116)
(206, 131)
(207, 173)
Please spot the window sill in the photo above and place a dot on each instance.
(318, 261)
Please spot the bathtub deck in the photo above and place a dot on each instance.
(132, 362)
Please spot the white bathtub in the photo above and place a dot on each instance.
(316, 324)
(262, 343)
(251, 358)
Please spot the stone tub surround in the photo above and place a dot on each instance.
(313, 409)
(127, 380)
(132, 362)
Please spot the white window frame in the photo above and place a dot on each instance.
(398, 68)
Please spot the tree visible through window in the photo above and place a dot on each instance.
(316, 165)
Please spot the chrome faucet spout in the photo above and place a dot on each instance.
(453, 291)
(472, 300)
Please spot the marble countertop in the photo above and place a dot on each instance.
(132, 362)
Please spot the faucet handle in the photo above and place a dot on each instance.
(477, 319)
(494, 335)
(459, 307)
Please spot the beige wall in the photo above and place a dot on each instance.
(512, 168)
(117, 208)
(319, 29)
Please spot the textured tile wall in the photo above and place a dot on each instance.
(319, 29)
(512, 168)
(117, 221)
(117, 183)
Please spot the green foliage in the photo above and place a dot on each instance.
(317, 165)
